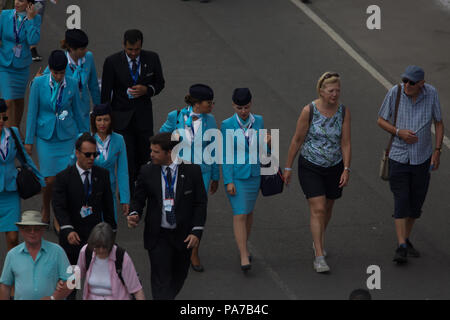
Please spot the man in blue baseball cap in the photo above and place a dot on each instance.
(407, 113)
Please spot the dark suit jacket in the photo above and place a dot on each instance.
(69, 196)
(117, 79)
(190, 202)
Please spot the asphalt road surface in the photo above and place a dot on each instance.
(277, 51)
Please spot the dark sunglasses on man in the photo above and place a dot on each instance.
(411, 83)
(90, 154)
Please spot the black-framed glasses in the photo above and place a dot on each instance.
(328, 76)
(411, 83)
(90, 154)
(5, 118)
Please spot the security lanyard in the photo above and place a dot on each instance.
(135, 76)
(17, 30)
(246, 132)
(170, 188)
(59, 99)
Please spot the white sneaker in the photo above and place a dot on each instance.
(314, 249)
(320, 265)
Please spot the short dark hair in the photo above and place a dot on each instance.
(164, 140)
(94, 127)
(133, 36)
(85, 137)
(360, 294)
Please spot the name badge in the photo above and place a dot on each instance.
(86, 211)
(130, 96)
(63, 115)
(17, 50)
(168, 204)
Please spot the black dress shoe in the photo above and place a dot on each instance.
(198, 268)
(250, 258)
(400, 255)
(246, 268)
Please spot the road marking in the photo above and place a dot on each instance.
(273, 274)
(347, 48)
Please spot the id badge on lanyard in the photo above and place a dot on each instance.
(135, 77)
(61, 115)
(169, 201)
(18, 47)
(87, 210)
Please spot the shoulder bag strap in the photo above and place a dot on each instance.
(397, 103)
(20, 153)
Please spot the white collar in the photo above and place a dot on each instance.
(172, 167)
(81, 171)
(50, 81)
(129, 59)
(71, 61)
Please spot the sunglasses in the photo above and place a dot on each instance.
(32, 228)
(5, 118)
(411, 83)
(328, 76)
(90, 154)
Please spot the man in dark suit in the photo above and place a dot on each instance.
(175, 219)
(82, 198)
(130, 79)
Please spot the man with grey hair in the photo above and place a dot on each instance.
(408, 115)
(35, 267)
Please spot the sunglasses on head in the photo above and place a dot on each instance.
(90, 154)
(411, 83)
(5, 118)
(328, 76)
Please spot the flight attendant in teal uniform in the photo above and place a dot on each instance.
(19, 28)
(81, 67)
(242, 181)
(9, 197)
(195, 116)
(54, 121)
(113, 154)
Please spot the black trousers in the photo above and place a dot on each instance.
(169, 266)
(409, 184)
(138, 149)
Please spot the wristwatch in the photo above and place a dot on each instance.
(439, 149)
(347, 168)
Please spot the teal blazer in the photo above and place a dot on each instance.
(174, 122)
(42, 120)
(235, 170)
(90, 88)
(8, 171)
(29, 36)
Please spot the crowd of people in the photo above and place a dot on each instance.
(96, 147)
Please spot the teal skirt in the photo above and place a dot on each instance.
(9, 211)
(13, 82)
(54, 155)
(246, 194)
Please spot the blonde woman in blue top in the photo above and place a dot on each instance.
(9, 197)
(194, 118)
(53, 123)
(19, 28)
(81, 67)
(323, 136)
(242, 181)
(113, 154)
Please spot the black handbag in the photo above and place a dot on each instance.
(28, 184)
(272, 184)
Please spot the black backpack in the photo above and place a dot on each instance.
(120, 252)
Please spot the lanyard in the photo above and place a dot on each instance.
(246, 132)
(4, 145)
(17, 30)
(103, 148)
(76, 71)
(167, 182)
(135, 76)
(87, 192)
(59, 98)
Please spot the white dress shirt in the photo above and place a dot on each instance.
(81, 172)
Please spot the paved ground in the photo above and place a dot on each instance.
(276, 50)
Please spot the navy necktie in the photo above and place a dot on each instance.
(87, 185)
(134, 68)
(169, 194)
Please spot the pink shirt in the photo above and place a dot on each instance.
(119, 292)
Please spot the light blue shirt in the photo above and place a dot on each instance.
(34, 280)
(415, 116)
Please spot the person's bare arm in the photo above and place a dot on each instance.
(5, 292)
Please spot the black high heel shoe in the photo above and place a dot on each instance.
(246, 268)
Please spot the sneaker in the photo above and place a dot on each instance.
(400, 255)
(35, 55)
(323, 251)
(320, 265)
(411, 251)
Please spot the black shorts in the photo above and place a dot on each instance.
(320, 181)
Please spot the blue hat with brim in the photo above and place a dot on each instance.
(57, 60)
(102, 109)
(414, 73)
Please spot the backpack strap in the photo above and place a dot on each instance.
(88, 257)
(120, 252)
